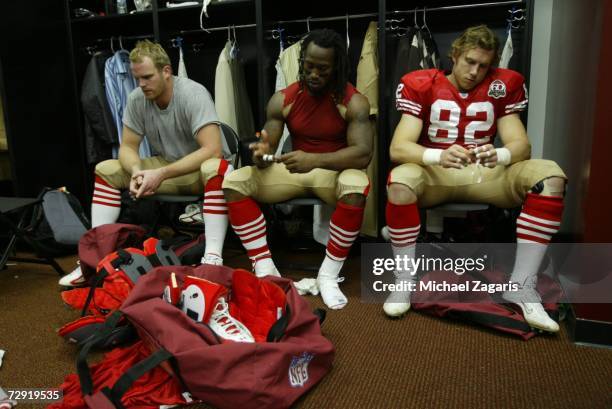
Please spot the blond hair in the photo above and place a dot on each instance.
(152, 50)
(476, 37)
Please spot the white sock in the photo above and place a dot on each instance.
(215, 222)
(327, 280)
(266, 267)
(528, 259)
(105, 204)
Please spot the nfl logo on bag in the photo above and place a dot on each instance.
(298, 370)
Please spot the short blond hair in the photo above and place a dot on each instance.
(152, 50)
(476, 37)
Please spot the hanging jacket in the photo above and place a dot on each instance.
(430, 50)
(119, 83)
(182, 70)
(506, 55)
(367, 84)
(408, 58)
(244, 113)
(224, 90)
(100, 128)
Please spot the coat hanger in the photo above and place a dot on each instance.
(121, 44)
(308, 24)
(348, 41)
(416, 26)
(112, 45)
(424, 26)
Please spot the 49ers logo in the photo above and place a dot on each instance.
(497, 89)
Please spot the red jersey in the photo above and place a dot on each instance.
(451, 117)
(314, 122)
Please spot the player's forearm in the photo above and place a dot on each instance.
(407, 152)
(129, 159)
(190, 163)
(519, 151)
(351, 157)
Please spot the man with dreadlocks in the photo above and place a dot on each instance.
(332, 141)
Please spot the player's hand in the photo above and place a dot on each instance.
(149, 181)
(456, 156)
(135, 183)
(261, 148)
(486, 154)
(299, 161)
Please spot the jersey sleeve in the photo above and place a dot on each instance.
(410, 96)
(516, 98)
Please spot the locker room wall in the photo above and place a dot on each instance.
(562, 98)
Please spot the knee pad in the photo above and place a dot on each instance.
(240, 180)
(410, 175)
(352, 181)
(112, 173)
(215, 167)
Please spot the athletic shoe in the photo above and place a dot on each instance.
(534, 312)
(226, 326)
(212, 259)
(74, 279)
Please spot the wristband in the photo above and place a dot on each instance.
(432, 156)
(504, 157)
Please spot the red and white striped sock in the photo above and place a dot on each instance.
(404, 224)
(535, 226)
(344, 228)
(106, 203)
(250, 225)
(214, 209)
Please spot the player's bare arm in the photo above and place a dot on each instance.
(356, 155)
(405, 149)
(209, 139)
(516, 144)
(272, 132)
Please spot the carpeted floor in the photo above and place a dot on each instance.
(416, 362)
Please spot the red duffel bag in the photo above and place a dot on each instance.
(289, 355)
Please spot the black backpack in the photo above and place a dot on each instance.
(57, 223)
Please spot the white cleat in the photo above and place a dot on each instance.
(226, 326)
(74, 279)
(528, 300)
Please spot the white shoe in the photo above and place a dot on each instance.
(212, 259)
(74, 279)
(192, 215)
(398, 302)
(226, 326)
(384, 232)
(530, 302)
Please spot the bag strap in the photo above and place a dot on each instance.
(278, 328)
(82, 367)
(92, 289)
(131, 375)
(492, 320)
